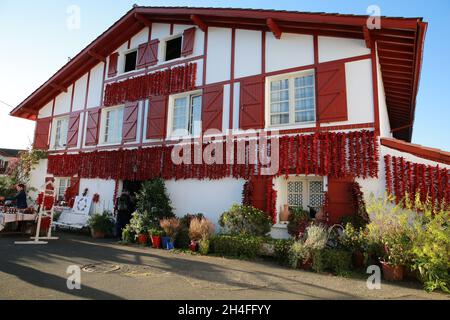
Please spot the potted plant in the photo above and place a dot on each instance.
(155, 236)
(284, 214)
(200, 231)
(170, 227)
(395, 257)
(100, 224)
(298, 221)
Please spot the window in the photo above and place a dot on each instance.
(173, 48)
(186, 115)
(130, 61)
(305, 192)
(292, 99)
(112, 120)
(64, 183)
(61, 126)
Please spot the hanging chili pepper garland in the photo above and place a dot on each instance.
(304, 157)
(432, 182)
(168, 81)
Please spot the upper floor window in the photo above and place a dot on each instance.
(61, 126)
(186, 113)
(292, 99)
(130, 61)
(173, 48)
(111, 128)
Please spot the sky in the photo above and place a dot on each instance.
(36, 41)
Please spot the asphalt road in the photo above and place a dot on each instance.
(113, 271)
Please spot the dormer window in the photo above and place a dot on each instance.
(173, 48)
(130, 61)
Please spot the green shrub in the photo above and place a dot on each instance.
(355, 220)
(298, 252)
(282, 247)
(182, 238)
(153, 200)
(203, 246)
(102, 222)
(236, 246)
(333, 260)
(128, 235)
(245, 220)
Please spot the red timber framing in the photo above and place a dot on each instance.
(417, 150)
(399, 43)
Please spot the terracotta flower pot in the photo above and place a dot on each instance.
(142, 239)
(358, 259)
(156, 242)
(193, 246)
(97, 234)
(392, 272)
(284, 214)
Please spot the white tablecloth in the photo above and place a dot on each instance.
(15, 217)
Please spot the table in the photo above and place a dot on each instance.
(15, 217)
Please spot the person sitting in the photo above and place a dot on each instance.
(21, 197)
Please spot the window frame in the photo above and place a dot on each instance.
(306, 189)
(67, 185)
(291, 77)
(124, 60)
(163, 47)
(189, 95)
(102, 131)
(54, 133)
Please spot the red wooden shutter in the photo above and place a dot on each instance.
(251, 111)
(212, 107)
(41, 133)
(72, 134)
(112, 67)
(332, 96)
(188, 42)
(156, 119)
(130, 117)
(340, 201)
(92, 127)
(259, 193)
(152, 58)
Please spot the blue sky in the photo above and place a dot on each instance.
(36, 43)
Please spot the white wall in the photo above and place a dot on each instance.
(37, 178)
(95, 86)
(139, 38)
(247, 53)
(218, 62)
(385, 126)
(331, 48)
(62, 102)
(79, 96)
(210, 197)
(292, 50)
(105, 188)
(46, 111)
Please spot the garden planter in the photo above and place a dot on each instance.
(156, 242)
(284, 214)
(97, 234)
(165, 241)
(142, 239)
(170, 245)
(305, 265)
(358, 260)
(392, 272)
(193, 246)
(413, 275)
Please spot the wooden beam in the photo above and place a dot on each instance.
(96, 56)
(273, 26)
(199, 22)
(402, 127)
(367, 37)
(58, 87)
(30, 111)
(142, 20)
